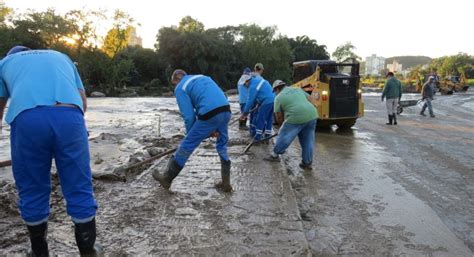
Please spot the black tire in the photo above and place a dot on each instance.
(323, 124)
(345, 124)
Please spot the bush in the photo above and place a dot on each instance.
(470, 82)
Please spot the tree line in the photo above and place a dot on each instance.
(110, 65)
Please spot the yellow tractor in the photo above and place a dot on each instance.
(334, 90)
(454, 83)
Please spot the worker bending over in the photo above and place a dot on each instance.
(206, 113)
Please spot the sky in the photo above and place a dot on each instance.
(381, 27)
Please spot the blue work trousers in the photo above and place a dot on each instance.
(263, 121)
(37, 136)
(306, 134)
(201, 130)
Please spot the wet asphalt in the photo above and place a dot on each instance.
(374, 190)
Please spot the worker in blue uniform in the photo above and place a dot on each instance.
(206, 113)
(243, 90)
(47, 104)
(261, 97)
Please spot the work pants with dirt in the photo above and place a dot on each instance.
(37, 136)
(427, 104)
(392, 104)
(263, 122)
(253, 122)
(306, 135)
(201, 130)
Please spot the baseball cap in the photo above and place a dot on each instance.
(258, 66)
(278, 83)
(17, 49)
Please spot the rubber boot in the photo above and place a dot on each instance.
(165, 178)
(390, 120)
(39, 245)
(225, 185)
(243, 124)
(85, 238)
(394, 116)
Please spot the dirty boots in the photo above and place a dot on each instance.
(224, 185)
(165, 178)
(394, 116)
(242, 124)
(390, 120)
(85, 238)
(39, 245)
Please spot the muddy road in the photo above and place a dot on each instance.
(375, 190)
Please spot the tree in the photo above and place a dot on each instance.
(4, 12)
(260, 44)
(46, 29)
(189, 24)
(305, 48)
(345, 52)
(117, 37)
(84, 27)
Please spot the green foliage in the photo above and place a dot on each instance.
(409, 62)
(470, 82)
(305, 48)
(117, 38)
(189, 24)
(345, 52)
(453, 65)
(4, 12)
(115, 67)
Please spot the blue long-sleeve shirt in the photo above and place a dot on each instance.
(198, 95)
(243, 91)
(260, 92)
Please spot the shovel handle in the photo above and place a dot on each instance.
(151, 159)
(5, 163)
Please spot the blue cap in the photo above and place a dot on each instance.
(17, 49)
(247, 70)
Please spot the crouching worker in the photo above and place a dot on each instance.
(47, 103)
(206, 113)
(299, 115)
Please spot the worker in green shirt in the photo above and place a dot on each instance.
(293, 108)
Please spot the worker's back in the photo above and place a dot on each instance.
(38, 77)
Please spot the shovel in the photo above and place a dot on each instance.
(5, 163)
(255, 141)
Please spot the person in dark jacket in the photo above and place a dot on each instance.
(206, 113)
(427, 93)
(393, 92)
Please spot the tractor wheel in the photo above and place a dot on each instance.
(345, 124)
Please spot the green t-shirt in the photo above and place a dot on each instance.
(294, 104)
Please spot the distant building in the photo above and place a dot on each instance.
(133, 38)
(374, 65)
(395, 67)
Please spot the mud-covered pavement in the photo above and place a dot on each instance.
(374, 190)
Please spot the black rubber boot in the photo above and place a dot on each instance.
(394, 116)
(390, 120)
(225, 185)
(85, 238)
(243, 124)
(39, 245)
(165, 178)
